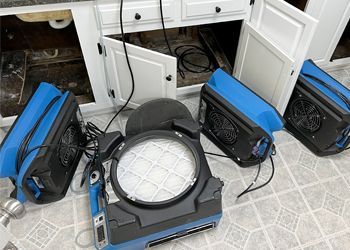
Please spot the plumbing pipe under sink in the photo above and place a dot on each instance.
(56, 19)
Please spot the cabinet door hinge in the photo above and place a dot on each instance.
(252, 2)
(111, 91)
(101, 49)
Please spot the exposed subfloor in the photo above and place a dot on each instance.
(307, 205)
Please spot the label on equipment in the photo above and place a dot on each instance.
(100, 230)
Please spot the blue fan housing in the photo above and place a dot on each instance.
(255, 119)
(38, 161)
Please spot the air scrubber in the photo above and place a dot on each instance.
(35, 153)
(153, 185)
(237, 120)
(318, 113)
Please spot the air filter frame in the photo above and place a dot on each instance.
(134, 224)
(139, 139)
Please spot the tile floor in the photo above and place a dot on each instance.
(307, 205)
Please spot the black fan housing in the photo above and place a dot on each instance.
(230, 129)
(316, 120)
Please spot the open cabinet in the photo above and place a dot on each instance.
(27, 58)
(32, 51)
(333, 19)
(159, 72)
(272, 47)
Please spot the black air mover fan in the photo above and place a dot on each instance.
(238, 121)
(318, 111)
(41, 151)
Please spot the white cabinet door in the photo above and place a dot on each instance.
(333, 18)
(262, 65)
(154, 73)
(272, 49)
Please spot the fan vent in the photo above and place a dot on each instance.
(223, 128)
(68, 154)
(305, 115)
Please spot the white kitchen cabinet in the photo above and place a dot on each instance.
(155, 73)
(333, 17)
(273, 44)
(272, 49)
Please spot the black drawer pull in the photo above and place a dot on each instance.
(217, 9)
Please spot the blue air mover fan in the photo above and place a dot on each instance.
(318, 113)
(40, 152)
(237, 120)
(154, 185)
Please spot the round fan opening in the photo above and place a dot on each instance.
(156, 170)
(305, 115)
(68, 146)
(223, 128)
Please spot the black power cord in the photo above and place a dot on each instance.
(129, 67)
(23, 148)
(163, 26)
(189, 50)
(249, 189)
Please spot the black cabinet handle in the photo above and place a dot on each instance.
(217, 9)
(169, 78)
(137, 16)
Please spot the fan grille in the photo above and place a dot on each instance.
(223, 128)
(305, 115)
(67, 154)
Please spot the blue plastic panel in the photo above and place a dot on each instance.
(245, 100)
(311, 69)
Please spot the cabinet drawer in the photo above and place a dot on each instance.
(136, 13)
(192, 9)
